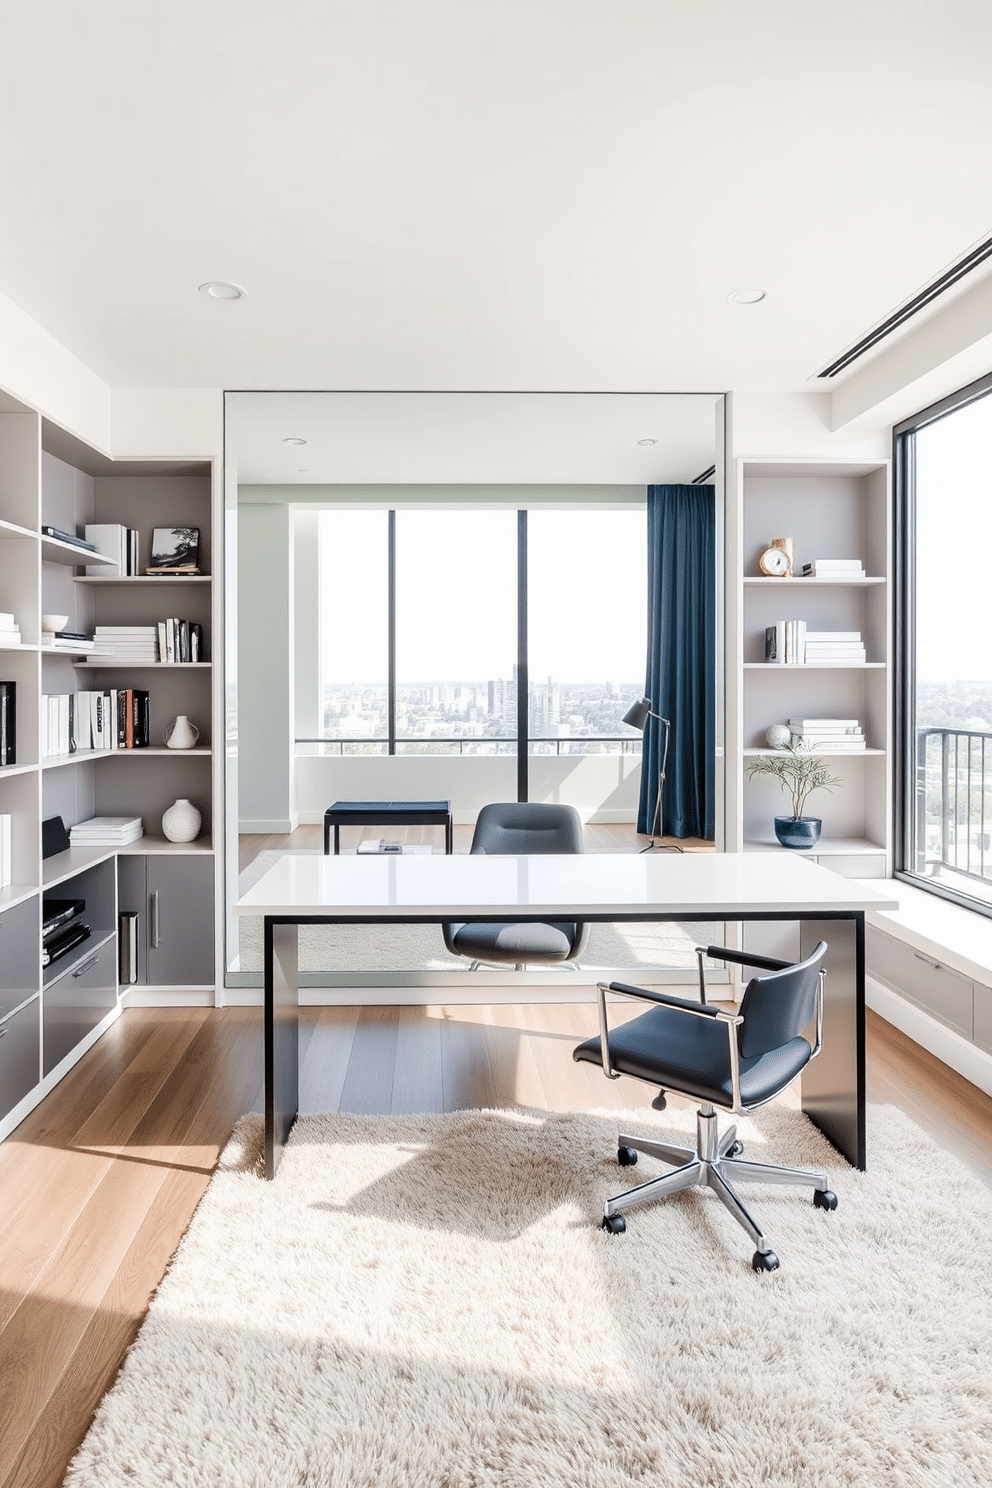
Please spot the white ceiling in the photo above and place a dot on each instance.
(484, 194)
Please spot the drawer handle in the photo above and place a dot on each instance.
(155, 934)
(85, 966)
(928, 959)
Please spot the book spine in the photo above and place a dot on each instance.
(8, 723)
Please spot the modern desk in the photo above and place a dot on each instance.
(611, 887)
(387, 814)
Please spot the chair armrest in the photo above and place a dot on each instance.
(665, 999)
(687, 1004)
(744, 958)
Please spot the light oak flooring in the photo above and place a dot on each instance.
(99, 1183)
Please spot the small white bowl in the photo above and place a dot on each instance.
(54, 622)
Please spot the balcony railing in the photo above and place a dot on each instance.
(954, 803)
(483, 744)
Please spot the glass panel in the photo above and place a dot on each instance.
(354, 616)
(587, 625)
(456, 631)
(951, 732)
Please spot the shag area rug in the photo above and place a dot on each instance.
(429, 1302)
(421, 947)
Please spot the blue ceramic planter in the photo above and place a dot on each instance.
(801, 831)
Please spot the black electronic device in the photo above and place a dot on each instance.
(56, 914)
(61, 944)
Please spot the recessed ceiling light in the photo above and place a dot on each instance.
(216, 289)
(746, 296)
(647, 441)
(293, 439)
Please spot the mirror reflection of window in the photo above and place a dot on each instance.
(354, 655)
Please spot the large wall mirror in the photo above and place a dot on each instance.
(399, 566)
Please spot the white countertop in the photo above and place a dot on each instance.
(555, 886)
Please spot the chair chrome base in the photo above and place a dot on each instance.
(712, 1165)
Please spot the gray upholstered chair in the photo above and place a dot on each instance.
(521, 827)
(734, 1060)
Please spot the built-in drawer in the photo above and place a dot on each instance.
(922, 979)
(983, 1017)
(855, 865)
(19, 1043)
(76, 1001)
(19, 956)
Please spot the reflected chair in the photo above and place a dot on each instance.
(736, 1061)
(522, 827)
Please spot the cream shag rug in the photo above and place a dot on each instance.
(421, 947)
(428, 1302)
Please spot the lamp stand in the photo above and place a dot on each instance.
(656, 824)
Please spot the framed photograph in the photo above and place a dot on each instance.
(175, 550)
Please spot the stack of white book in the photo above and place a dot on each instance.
(834, 648)
(10, 632)
(137, 644)
(834, 568)
(833, 735)
(106, 831)
(5, 868)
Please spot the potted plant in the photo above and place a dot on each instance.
(798, 772)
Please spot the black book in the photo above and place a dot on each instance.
(58, 913)
(61, 945)
(70, 537)
(8, 723)
(139, 717)
(196, 642)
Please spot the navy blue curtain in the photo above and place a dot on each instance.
(681, 668)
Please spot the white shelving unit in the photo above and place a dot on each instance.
(48, 1018)
(830, 510)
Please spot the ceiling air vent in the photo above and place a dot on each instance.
(911, 307)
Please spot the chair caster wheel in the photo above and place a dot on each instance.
(736, 1149)
(614, 1224)
(626, 1156)
(764, 1260)
(825, 1198)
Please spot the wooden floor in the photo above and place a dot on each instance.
(99, 1183)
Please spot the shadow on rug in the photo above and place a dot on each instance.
(429, 1302)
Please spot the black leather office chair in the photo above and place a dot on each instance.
(522, 827)
(734, 1060)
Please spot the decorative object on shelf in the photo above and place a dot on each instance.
(181, 734)
(54, 837)
(175, 550)
(799, 773)
(778, 559)
(181, 823)
(54, 622)
(637, 716)
(778, 736)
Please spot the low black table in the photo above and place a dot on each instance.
(386, 814)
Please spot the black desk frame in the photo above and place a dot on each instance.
(386, 814)
(833, 1085)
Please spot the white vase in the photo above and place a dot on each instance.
(181, 734)
(181, 823)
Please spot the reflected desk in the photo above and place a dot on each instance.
(610, 887)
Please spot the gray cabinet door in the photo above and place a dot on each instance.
(76, 1001)
(180, 920)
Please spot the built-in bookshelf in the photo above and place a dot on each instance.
(836, 511)
(49, 1014)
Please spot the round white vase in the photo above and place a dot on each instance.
(181, 823)
(181, 734)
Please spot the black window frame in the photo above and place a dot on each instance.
(904, 632)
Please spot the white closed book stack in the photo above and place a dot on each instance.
(828, 735)
(834, 648)
(834, 568)
(10, 631)
(106, 831)
(137, 644)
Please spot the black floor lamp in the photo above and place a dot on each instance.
(637, 716)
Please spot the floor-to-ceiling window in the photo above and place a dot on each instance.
(431, 620)
(944, 617)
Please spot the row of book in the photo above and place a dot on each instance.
(174, 550)
(790, 643)
(834, 568)
(837, 735)
(8, 723)
(5, 851)
(172, 640)
(115, 718)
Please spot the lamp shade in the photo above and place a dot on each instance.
(638, 714)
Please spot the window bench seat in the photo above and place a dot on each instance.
(929, 972)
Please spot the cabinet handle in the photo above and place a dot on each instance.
(85, 966)
(928, 959)
(153, 918)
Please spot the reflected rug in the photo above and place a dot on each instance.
(420, 947)
(429, 1302)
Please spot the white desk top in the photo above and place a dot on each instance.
(554, 887)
